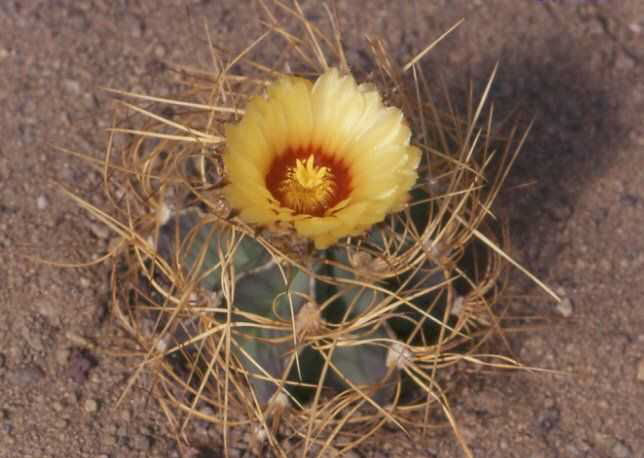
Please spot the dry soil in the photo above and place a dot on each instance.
(575, 201)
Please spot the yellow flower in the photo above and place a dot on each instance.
(327, 158)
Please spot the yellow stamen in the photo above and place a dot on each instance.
(306, 187)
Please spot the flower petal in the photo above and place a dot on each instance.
(337, 130)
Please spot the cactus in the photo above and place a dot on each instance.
(303, 300)
(306, 343)
(314, 336)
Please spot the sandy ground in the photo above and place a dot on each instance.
(577, 66)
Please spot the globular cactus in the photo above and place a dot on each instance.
(282, 313)
(310, 257)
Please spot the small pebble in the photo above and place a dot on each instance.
(16, 353)
(61, 423)
(640, 371)
(100, 232)
(50, 310)
(79, 340)
(136, 26)
(42, 202)
(62, 356)
(350, 454)
(28, 374)
(624, 62)
(3, 359)
(549, 419)
(620, 450)
(95, 378)
(533, 348)
(72, 86)
(558, 210)
(141, 442)
(159, 51)
(90, 406)
(605, 265)
(565, 307)
(125, 416)
(109, 440)
(90, 101)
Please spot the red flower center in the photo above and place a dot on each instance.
(308, 181)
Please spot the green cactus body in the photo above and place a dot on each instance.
(268, 296)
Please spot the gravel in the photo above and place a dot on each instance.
(42, 202)
(565, 308)
(90, 406)
(141, 442)
(28, 375)
(574, 67)
(620, 450)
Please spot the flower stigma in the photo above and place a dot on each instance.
(307, 187)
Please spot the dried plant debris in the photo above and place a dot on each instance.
(301, 254)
